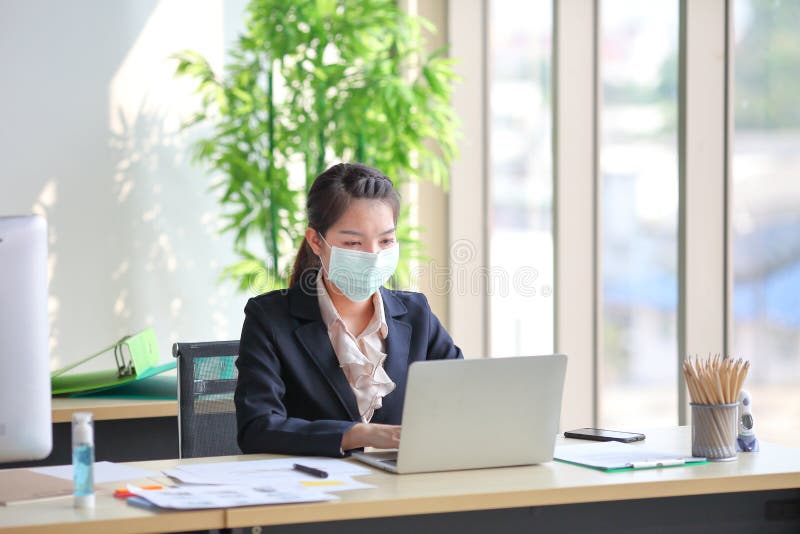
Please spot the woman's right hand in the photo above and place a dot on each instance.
(371, 435)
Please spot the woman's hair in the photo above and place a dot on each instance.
(330, 196)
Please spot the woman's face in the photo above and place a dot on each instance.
(366, 226)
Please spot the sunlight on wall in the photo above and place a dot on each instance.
(132, 227)
(46, 200)
(146, 108)
(144, 82)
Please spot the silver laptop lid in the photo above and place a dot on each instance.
(466, 414)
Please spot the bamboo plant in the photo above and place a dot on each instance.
(310, 83)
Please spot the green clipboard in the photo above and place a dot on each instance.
(631, 467)
(136, 357)
(615, 457)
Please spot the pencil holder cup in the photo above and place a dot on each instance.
(714, 428)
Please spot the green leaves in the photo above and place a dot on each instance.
(315, 82)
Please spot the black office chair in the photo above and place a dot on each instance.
(206, 382)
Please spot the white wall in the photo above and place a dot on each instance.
(90, 137)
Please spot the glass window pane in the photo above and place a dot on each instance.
(639, 172)
(766, 211)
(520, 237)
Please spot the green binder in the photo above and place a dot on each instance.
(136, 358)
(153, 384)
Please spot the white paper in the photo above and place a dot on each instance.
(183, 477)
(290, 481)
(279, 473)
(613, 455)
(103, 472)
(201, 497)
(252, 468)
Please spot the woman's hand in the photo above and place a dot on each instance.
(371, 435)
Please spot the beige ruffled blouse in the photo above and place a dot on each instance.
(361, 358)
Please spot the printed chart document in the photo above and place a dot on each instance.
(616, 456)
(278, 473)
(201, 497)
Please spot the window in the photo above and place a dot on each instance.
(520, 278)
(765, 222)
(509, 110)
(639, 177)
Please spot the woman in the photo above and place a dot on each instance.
(323, 365)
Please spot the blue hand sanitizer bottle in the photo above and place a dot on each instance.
(83, 459)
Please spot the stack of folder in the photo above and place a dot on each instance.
(134, 371)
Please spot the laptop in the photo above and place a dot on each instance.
(470, 414)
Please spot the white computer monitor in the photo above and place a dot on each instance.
(25, 416)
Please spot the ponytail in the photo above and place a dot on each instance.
(305, 261)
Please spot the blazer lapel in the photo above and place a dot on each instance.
(314, 338)
(398, 339)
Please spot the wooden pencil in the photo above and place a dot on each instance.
(715, 380)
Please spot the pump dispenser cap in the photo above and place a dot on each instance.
(82, 428)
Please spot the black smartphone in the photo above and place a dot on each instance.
(598, 434)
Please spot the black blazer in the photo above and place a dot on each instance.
(292, 397)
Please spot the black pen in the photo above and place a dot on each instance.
(319, 473)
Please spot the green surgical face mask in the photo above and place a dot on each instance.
(358, 275)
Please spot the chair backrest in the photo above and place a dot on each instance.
(206, 383)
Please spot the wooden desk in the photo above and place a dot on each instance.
(110, 408)
(734, 497)
(563, 497)
(126, 430)
(109, 515)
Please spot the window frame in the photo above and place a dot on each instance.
(704, 152)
